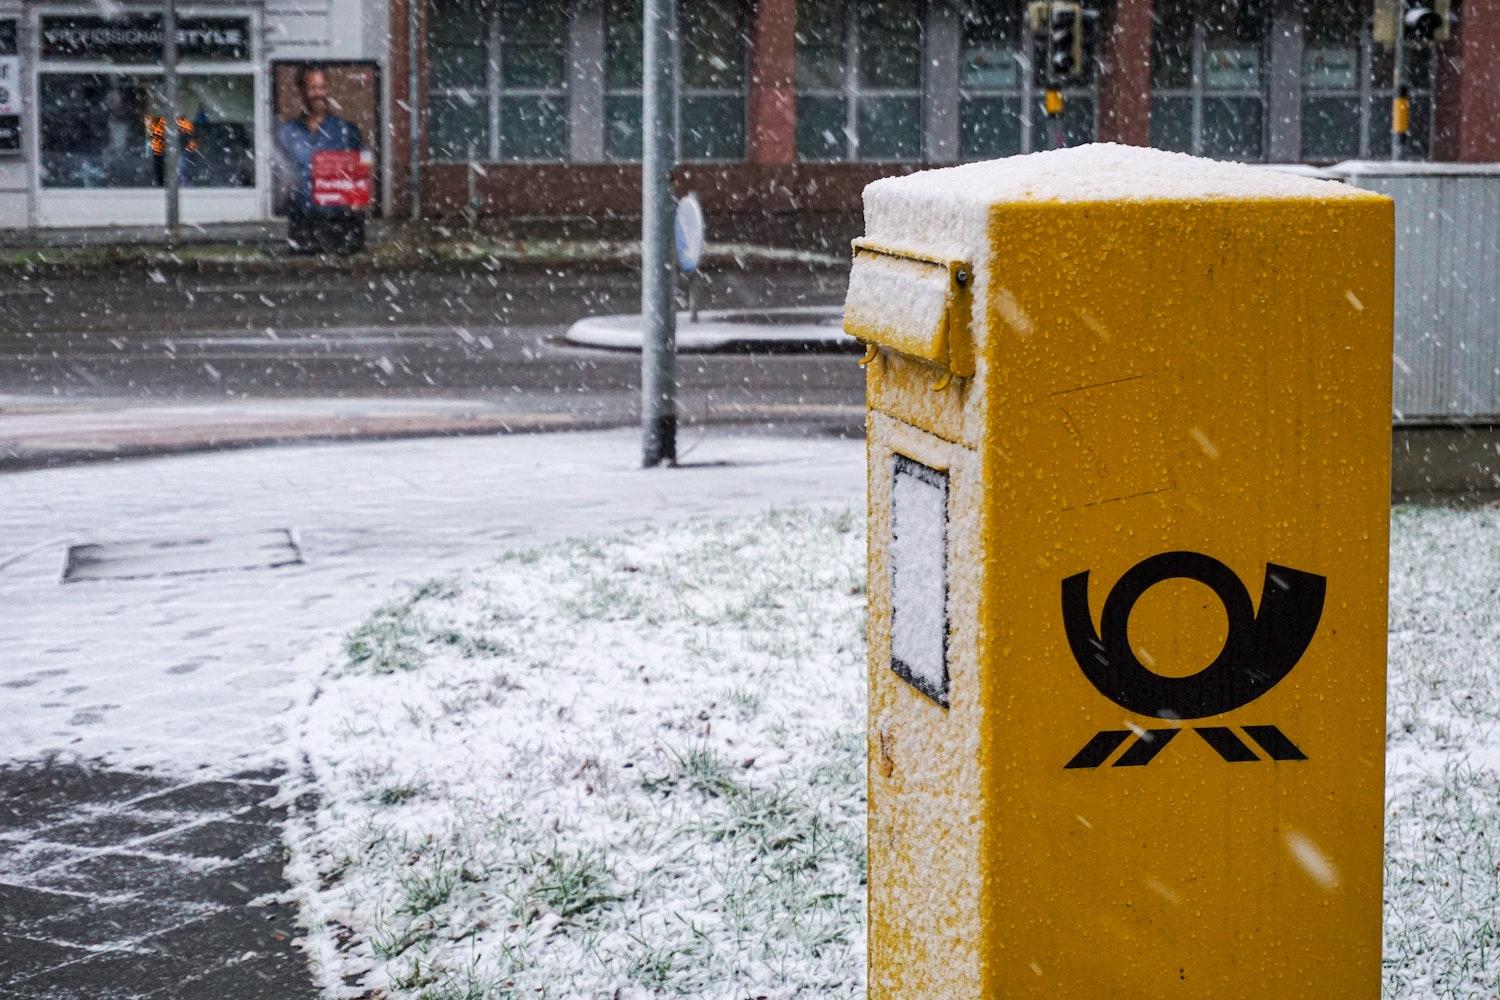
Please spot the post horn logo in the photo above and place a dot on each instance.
(1261, 649)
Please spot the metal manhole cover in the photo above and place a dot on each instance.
(180, 556)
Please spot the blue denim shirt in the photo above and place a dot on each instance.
(298, 143)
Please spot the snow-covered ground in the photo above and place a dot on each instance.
(184, 672)
(632, 767)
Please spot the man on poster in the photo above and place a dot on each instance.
(312, 226)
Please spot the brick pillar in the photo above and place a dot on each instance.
(402, 104)
(1475, 89)
(1125, 75)
(773, 81)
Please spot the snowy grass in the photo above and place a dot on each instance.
(634, 768)
(624, 768)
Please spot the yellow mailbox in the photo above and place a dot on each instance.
(1129, 427)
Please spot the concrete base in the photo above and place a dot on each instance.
(1445, 461)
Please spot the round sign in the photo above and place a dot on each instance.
(689, 229)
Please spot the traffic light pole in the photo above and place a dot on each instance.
(1400, 101)
(171, 134)
(658, 245)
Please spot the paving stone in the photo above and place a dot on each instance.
(238, 884)
(22, 957)
(114, 975)
(37, 794)
(115, 873)
(100, 924)
(209, 797)
(220, 839)
(110, 829)
(21, 906)
(158, 919)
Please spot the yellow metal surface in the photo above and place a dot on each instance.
(1052, 102)
(1190, 403)
(1401, 115)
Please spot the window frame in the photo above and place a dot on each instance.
(1369, 93)
(494, 92)
(852, 91)
(1199, 93)
(684, 93)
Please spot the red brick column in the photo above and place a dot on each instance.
(773, 82)
(402, 104)
(1475, 88)
(1125, 75)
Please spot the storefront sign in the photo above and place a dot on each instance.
(1331, 69)
(10, 89)
(343, 179)
(1232, 68)
(137, 38)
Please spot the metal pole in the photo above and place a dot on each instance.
(1398, 85)
(172, 151)
(413, 102)
(658, 245)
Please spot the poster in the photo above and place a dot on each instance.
(325, 108)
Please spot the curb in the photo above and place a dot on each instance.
(810, 328)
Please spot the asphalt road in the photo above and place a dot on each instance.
(144, 336)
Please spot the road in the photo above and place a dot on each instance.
(429, 340)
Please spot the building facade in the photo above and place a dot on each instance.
(532, 108)
(790, 106)
(82, 139)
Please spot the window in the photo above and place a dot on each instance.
(106, 130)
(711, 74)
(990, 79)
(859, 79)
(1208, 77)
(104, 125)
(497, 78)
(1347, 87)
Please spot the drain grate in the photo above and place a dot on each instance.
(139, 560)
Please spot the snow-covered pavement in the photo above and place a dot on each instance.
(184, 672)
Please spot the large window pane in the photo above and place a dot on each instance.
(821, 125)
(533, 128)
(991, 45)
(457, 33)
(1077, 124)
(1418, 140)
(820, 44)
(1172, 123)
(890, 128)
(890, 44)
(1172, 44)
(538, 66)
(622, 128)
(989, 127)
(1330, 128)
(713, 128)
(1233, 128)
(101, 130)
(458, 128)
(622, 49)
(713, 44)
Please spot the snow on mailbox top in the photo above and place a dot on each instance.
(946, 211)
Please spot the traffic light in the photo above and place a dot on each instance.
(1428, 23)
(1065, 40)
(1421, 23)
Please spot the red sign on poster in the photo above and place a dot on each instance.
(343, 179)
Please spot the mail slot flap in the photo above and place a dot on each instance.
(910, 303)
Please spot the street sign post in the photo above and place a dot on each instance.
(1129, 489)
(689, 230)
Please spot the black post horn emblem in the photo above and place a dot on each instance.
(1261, 649)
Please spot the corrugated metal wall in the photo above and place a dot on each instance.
(1447, 352)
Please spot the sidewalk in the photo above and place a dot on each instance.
(180, 672)
(145, 719)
